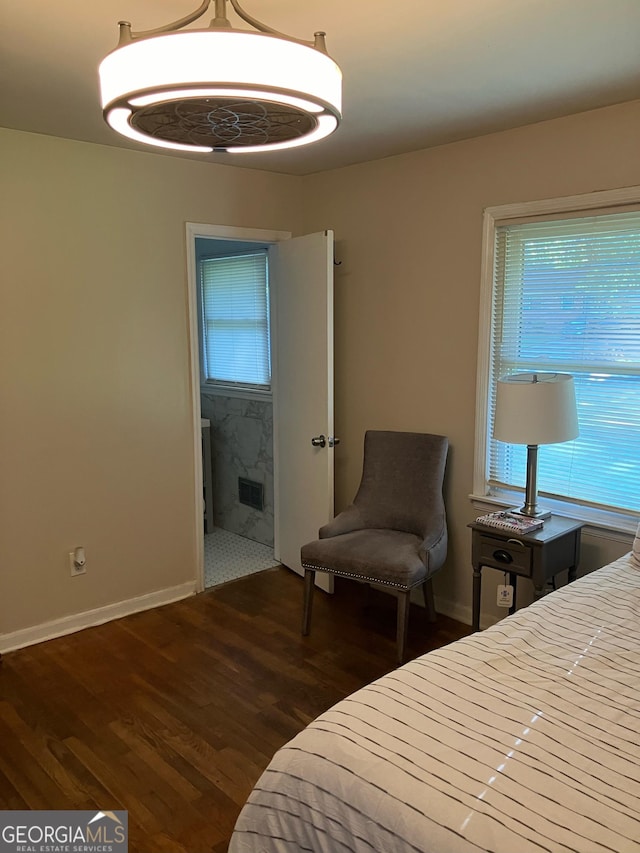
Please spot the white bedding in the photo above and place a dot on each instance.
(524, 737)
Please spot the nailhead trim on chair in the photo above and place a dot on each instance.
(362, 577)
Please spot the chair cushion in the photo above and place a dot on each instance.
(388, 557)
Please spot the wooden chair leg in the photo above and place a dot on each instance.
(309, 585)
(429, 604)
(403, 623)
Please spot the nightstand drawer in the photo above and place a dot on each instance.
(512, 556)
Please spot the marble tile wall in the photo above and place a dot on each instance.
(241, 446)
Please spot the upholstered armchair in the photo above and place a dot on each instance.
(394, 533)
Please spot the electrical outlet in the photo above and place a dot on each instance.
(77, 562)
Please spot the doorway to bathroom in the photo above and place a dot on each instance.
(300, 471)
(236, 408)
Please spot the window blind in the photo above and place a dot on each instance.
(235, 320)
(567, 299)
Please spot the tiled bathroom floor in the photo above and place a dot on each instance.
(228, 556)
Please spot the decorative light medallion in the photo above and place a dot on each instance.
(220, 89)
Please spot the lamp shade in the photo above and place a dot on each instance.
(535, 408)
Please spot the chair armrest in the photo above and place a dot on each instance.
(433, 550)
(346, 521)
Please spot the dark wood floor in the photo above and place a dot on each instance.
(172, 714)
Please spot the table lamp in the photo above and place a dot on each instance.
(534, 409)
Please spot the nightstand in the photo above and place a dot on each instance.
(539, 555)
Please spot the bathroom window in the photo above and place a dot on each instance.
(234, 293)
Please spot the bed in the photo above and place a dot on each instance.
(518, 739)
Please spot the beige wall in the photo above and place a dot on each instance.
(95, 441)
(95, 429)
(408, 232)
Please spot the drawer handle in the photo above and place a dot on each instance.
(502, 556)
(516, 542)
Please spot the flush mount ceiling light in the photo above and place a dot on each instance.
(220, 88)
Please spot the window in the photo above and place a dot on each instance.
(235, 321)
(562, 294)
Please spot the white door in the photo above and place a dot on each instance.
(301, 272)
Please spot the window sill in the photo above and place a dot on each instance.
(619, 526)
(232, 391)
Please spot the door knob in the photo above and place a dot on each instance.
(319, 441)
(333, 441)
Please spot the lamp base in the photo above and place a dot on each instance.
(534, 513)
(530, 508)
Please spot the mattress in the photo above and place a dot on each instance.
(518, 739)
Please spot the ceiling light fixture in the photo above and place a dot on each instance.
(220, 88)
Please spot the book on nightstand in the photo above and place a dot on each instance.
(505, 520)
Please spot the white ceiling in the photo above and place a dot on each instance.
(417, 73)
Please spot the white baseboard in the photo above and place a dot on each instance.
(453, 609)
(78, 621)
(462, 613)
